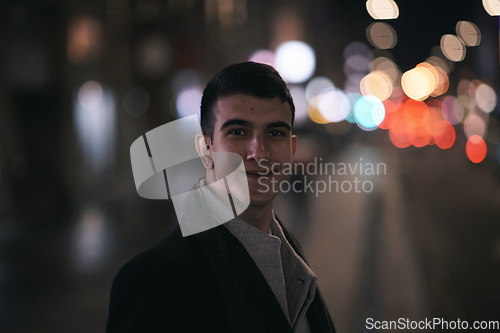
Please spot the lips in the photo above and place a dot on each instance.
(258, 173)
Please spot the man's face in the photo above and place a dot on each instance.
(259, 130)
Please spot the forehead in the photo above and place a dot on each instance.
(255, 109)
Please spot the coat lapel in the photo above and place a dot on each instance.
(255, 285)
(317, 315)
(250, 302)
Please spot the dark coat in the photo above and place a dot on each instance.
(206, 282)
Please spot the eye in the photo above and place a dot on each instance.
(276, 133)
(236, 132)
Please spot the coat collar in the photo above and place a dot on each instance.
(240, 280)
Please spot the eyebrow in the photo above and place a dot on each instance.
(279, 124)
(242, 122)
(230, 122)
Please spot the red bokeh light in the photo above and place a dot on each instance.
(476, 149)
(444, 134)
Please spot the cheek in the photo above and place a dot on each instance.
(231, 146)
(283, 155)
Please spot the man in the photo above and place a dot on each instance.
(246, 275)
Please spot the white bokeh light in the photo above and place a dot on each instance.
(263, 56)
(188, 101)
(95, 122)
(492, 7)
(295, 61)
(300, 102)
(90, 94)
(317, 85)
(486, 98)
(334, 106)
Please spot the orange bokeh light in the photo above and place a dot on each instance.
(434, 117)
(476, 149)
(443, 83)
(416, 113)
(421, 136)
(391, 113)
(401, 134)
(444, 134)
(314, 113)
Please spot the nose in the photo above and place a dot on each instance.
(257, 149)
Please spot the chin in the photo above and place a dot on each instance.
(259, 200)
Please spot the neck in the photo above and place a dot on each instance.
(259, 217)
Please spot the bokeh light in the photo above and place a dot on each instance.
(369, 112)
(416, 113)
(381, 35)
(90, 94)
(300, 101)
(154, 56)
(95, 122)
(400, 133)
(295, 61)
(452, 48)
(436, 105)
(463, 87)
(356, 63)
(188, 101)
(432, 120)
(317, 85)
(418, 83)
(84, 39)
(466, 103)
(444, 134)
(471, 92)
(486, 98)
(432, 72)
(185, 78)
(391, 114)
(356, 47)
(476, 149)
(422, 136)
(263, 56)
(474, 125)
(469, 32)
(492, 7)
(438, 62)
(314, 113)
(382, 9)
(352, 83)
(333, 105)
(452, 109)
(438, 80)
(378, 84)
(136, 102)
(443, 82)
(437, 52)
(91, 240)
(387, 66)
(353, 98)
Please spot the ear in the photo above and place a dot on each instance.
(294, 144)
(203, 145)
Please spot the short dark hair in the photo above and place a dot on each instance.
(249, 78)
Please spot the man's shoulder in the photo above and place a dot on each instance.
(171, 251)
(172, 278)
